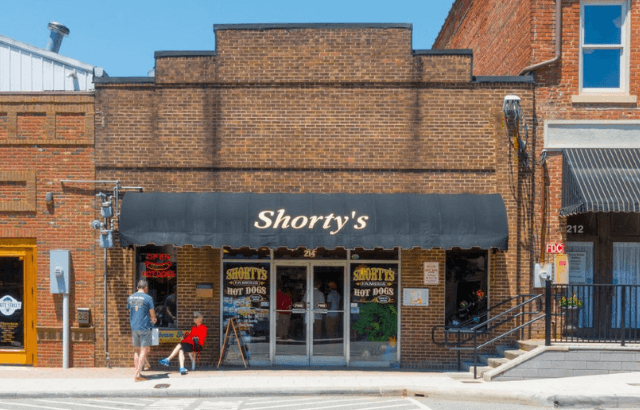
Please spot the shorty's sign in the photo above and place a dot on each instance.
(373, 284)
(280, 219)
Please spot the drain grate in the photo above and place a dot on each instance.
(161, 386)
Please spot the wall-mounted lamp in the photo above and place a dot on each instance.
(48, 198)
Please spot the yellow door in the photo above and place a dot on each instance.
(18, 342)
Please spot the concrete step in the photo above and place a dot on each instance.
(480, 371)
(503, 348)
(512, 354)
(529, 345)
(497, 361)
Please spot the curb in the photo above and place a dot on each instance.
(443, 394)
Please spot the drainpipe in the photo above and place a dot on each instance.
(106, 321)
(558, 43)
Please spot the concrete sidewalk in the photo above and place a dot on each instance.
(616, 390)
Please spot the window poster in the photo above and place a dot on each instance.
(577, 267)
(246, 297)
(374, 313)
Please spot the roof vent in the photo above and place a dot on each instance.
(58, 32)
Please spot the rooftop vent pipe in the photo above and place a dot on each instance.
(58, 32)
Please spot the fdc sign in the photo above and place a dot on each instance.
(555, 248)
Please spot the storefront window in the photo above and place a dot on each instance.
(374, 313)
(466, 288)
(246, 298)
(157, 264)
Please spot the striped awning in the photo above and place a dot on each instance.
(600, 180)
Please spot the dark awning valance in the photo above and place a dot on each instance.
(600, 180)
(314, 220)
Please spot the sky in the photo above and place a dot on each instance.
(121, 36)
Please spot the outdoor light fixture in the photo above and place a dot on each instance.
(48, 198)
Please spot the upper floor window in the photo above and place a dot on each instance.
(604, 46)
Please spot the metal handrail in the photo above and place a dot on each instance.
(484, 327)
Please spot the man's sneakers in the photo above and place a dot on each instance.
(140, 378)
(183, 371)
(164, 362)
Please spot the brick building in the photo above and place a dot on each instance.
(294, 157)
(46, 137)
(585, 133)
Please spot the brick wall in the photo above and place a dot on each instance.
(500, 34)
(495, 54)
(308, 110)
(45, 139)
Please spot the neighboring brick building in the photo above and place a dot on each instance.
(586, 123)
(336, 112)
(46, 137)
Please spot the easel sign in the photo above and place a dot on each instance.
(227, 340)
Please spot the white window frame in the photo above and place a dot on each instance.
(624, 47)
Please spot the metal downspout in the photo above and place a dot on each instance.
(558, 43)
(106, 327)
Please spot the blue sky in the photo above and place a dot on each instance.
(121, 36)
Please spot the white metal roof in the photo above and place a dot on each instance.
(24, 67)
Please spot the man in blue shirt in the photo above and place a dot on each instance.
(141, 317)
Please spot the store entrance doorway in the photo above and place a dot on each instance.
(310, 318)
(17, 305)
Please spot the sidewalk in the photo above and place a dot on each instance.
(616, 390)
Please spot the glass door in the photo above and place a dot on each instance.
(12, 303)
(309, 314)
(291, 347)
(327, 311)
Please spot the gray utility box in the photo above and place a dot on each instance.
(59, 263)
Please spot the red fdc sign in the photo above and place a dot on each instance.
(555, 248)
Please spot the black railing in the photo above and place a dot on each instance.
(595, 313)
(573, 314)
(467, 338)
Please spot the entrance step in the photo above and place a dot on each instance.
(529, 345)
(512, 354)
(497, 361)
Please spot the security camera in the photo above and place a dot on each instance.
(96, 224)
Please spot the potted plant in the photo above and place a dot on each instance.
(571, 306)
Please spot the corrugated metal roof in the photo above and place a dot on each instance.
(600, 180)
(27, 68)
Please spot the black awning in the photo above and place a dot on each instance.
(314, 220)
(600, 180)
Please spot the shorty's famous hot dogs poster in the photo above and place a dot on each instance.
(377, 283)
(246, 295)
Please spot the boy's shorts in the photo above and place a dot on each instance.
(141, 338)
